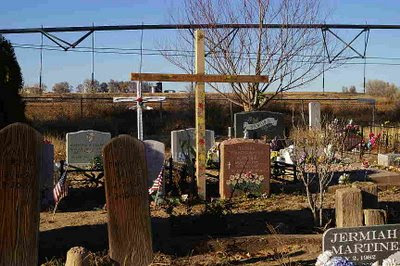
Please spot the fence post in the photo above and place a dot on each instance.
(129, 230)
(20, 163)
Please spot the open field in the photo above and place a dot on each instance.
(59, 114)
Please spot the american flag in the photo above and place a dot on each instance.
(157, 183)
(61, 189)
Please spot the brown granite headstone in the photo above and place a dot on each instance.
(245, 167)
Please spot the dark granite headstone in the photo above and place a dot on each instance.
(364, 245)
(259, 124)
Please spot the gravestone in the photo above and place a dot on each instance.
(314, 115)
(129, 231)
(20, 163)
(389, 159)
(259, 124)
(155, 156)
(245, 167)
(83, 146)
(46, 175)
(181, 137)
(363, 245)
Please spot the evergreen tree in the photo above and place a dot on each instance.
(11, 106)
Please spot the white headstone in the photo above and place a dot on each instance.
(85, 145)
(155, 156)
(389, 159)
(179, 137)
(314, 112)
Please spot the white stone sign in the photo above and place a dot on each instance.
(83, 146)
(314, 111)
(179, 137)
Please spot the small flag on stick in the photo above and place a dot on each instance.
(157, 183)
(61, 189)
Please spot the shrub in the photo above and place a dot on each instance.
(11, 105)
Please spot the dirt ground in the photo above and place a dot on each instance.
(277, 230)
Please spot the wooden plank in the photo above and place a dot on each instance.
(199, 77)
(129, 231)
(200, 102)
(20, 161)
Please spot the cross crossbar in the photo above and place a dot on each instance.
(199, 78)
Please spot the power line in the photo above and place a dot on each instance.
(188, 55)
(122, 50)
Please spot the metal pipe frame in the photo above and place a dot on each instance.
(201, 26)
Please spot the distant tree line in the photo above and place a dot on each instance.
(376, 87)
(87, 86)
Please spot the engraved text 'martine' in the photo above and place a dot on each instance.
(345, 243)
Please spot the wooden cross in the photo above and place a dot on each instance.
(200, 78)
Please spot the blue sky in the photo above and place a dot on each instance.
(75, 67)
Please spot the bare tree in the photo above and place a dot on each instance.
(317, 152)
(291, 57)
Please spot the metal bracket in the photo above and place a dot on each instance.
(60, 41)
(347, 44)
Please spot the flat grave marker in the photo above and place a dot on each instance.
(20, 163)
(129, 231)
(363, 245)
(83, 146)
(245, 167)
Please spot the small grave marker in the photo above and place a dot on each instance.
(314, 113)
(129, 231)
(20, 163)
(363, 245)
(259, 124)
(179, 137)
(83, 146)
(245, 165)
(389, 159)
(155, 156)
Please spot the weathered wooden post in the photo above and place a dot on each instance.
(77, 256)
(201, 152)
(129, 231)
(20, 162)
(374, 217)
(348, 204)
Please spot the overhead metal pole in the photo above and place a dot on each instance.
(201, 26)
(41, 62)
(139, 101)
